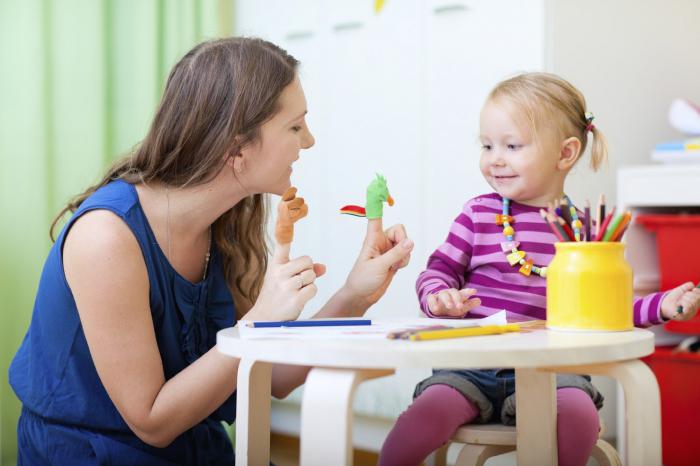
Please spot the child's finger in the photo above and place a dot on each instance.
(432, 303)
(457, 312)
(467, 293)
(472, 304)
(687, 286)
(456, 298)
(691, 303)
(445, 298)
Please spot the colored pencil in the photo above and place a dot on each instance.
(600, 214)
(312, 323)
(604, 226)
(565, 211)
(553, 225)
(612, 227)
(463, 332)
(567, 229)
(587, 220)
(620, 230)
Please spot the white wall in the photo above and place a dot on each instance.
(399, 93)
(630, 58)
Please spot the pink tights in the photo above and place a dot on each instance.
(437, 412)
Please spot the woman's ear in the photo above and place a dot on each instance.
(569, 153)
(234, 159)
(238, 163)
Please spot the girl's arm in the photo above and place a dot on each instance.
(662, 306)
(448, 265)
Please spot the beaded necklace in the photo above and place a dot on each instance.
(510, 247)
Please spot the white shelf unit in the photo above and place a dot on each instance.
(652, 189)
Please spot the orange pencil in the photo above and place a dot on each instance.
(621, 227)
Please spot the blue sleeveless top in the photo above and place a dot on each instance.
(67, 416)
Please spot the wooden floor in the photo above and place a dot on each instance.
(284, 451)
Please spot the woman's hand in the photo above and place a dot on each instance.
(288, 286)
(452, 302)
(382, 254)
(687, 296)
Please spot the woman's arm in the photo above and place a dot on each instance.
(106, 272)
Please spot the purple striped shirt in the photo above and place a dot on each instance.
(472, 257)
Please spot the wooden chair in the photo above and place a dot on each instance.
(482, 441)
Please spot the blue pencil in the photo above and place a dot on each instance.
(313, 323)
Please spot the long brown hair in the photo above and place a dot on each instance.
(215, 100)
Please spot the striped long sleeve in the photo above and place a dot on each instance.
(471, 257)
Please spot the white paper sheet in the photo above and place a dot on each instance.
(380, 328)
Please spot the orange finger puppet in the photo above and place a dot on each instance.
(289, 210)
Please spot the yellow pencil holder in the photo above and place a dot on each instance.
(589, 287)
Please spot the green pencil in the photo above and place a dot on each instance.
(613, 226)
(679, 310)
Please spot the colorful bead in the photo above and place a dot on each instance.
(514, 257)
(505, 218)
(509, 245)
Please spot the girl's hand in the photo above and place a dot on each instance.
(288, 286)
(383, 253)
(687, 296)
(453, 302)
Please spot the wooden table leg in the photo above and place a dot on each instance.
(253, 412)
(642, 407)
(536, 414)
(326, 414)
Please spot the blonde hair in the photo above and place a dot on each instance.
(220, 90)
(548, 101)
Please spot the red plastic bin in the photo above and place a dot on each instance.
(678, 245)
(678, 375)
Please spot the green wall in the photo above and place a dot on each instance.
(79, 81)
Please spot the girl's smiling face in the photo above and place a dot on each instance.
(513, 162)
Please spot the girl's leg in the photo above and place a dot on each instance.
(426, 425)
(577, 426)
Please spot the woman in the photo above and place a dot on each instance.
(119, 365)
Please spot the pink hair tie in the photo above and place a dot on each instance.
(589, 121)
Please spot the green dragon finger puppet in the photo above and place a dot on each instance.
(377, 195)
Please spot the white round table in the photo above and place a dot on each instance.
(341, 364)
